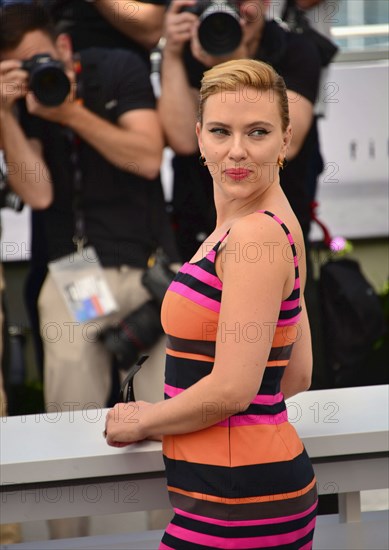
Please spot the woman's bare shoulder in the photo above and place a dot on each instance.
(262, 224)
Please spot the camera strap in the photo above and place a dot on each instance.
(79, 236)
(294, 16)
(89, 93)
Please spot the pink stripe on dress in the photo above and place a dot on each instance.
(201, 275)
(171, 391)
(254, 420)
(296, 283)
(266, 541)
(195, 296)
(261, 399)
(163, 546)
(245, 522)
(211, 255)
(276, 218)
(286, 305)
(264, 399)
(287, 322)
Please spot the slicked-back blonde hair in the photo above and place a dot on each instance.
(233, 75)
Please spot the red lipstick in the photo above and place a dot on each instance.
(237, 174)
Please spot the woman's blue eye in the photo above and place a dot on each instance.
(224, 132)
(219, 131)
(259, 132)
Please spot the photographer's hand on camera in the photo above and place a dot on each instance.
(20, 151)
(178, 117)
(179, 27)
(13, 83)
(252, 22)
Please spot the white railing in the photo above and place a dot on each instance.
(360, 30)
(59, 465)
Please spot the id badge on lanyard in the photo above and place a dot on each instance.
(81, 282)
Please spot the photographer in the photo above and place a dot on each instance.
(183, 63)
(315, 18)
(135, 25)
(98, 153)
(119, 156)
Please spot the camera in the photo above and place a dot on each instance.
(9, 199)
(141, 329)
(135, 333)
(219, 31)
(47, 79)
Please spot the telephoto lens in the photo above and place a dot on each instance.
(47, 79)
(141, 329)
(219, 31)
(134, 334)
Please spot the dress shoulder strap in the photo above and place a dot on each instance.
(289, 314)
(287, 233)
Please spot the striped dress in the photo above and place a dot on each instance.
(246, 482)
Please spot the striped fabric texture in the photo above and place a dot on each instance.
(246, 482)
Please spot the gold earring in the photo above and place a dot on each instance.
(202, 160)
(282, 163)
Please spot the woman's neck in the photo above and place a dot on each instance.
(230, 210)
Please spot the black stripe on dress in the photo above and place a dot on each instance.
(273, 478)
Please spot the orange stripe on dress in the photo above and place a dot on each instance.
(282, 363)
(278, 443)
(286, 335)
(209, 446)
(194, 356)
(233, 447)
(194, 296)
(244, 500)
(176, 324)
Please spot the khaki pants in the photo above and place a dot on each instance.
(77, 369)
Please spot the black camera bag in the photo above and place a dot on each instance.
(353, 320)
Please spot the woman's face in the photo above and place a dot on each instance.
(242, 140)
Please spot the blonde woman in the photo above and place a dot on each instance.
(238, 339)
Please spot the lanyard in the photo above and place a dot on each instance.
(79, 237)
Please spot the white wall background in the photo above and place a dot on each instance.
(353, 189)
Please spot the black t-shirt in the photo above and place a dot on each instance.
(88, 28)
(294, 58)
(124, 214)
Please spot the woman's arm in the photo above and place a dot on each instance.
(301, 117)
(253, 286)
(178, 103)
(141, 21)
(27, 172)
